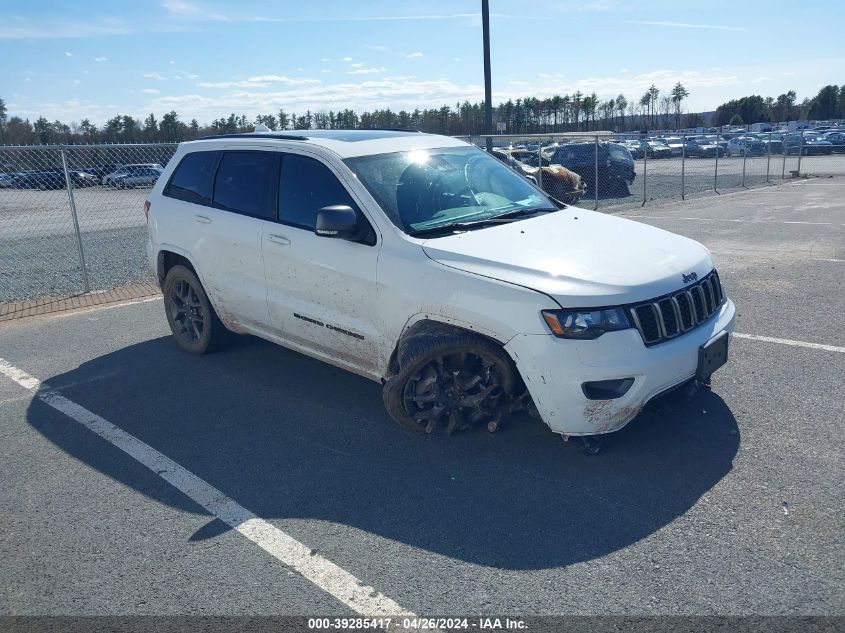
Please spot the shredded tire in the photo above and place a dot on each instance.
(420, 351)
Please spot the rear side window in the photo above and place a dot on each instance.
(308, 186)
(191, 180)
(247, 182)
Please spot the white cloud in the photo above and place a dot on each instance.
(100, 59)
(347, 59)
(630, 85)
(687, 25)
(357, 65)
(376, 47)
(259, 81)
(25, 28)
(177, 77)
(172, 61)
(325, 59)
(394, 92)
(581, 5)
(68, 54)
(185, 9)
(76, 81)
(150, 91)
(416, 55)
(515, 82)
(367, 71)
(456, 59)
(154, 75)
(760, 80)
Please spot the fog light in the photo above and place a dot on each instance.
(607, 389)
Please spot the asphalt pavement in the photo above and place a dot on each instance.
(729, 503)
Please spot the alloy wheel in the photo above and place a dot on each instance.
(187, 311)
(453, 392)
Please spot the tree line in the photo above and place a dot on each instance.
(829, 103)
(568, 113)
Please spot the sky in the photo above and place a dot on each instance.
(208, 58)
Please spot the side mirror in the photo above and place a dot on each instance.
(338, 221)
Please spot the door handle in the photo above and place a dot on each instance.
(202, 219)
(278, 239)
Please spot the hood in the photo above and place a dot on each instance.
(580, 258)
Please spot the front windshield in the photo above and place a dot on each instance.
(424, 189)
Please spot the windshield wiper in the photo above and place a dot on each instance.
(503, 218)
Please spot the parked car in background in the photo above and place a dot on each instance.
(636, 147)
(658, 149)
(651, 148)
(702, 147)
(675, 144)
(52, 179)
(836, 139)
(560, 183)
(806, 143)
(125, 169)
(615, 165)
(6, 181)
(721, 141)
(746, 146)
(43, 180)
(82, 178)
(103, 170)
(773, 142)
(136, 177)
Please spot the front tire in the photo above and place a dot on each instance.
(447, 382)
(190, 315)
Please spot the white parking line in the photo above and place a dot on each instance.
(322, 572)
(675, 217)
(107, 306)
(786, 341)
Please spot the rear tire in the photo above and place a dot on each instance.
(447, 382)
(190, 315)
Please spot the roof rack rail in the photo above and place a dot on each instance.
(388, 129)
(274, 135)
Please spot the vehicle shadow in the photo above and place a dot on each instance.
(290, 437)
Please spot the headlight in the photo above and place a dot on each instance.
(585, 324)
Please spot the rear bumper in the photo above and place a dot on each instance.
(554, 370)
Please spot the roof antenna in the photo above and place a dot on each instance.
(261, 128)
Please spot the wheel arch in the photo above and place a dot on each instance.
(429, 326)
(167, 259)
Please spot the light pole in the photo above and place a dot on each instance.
(488, 91)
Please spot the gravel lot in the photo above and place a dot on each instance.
(39, 255)
(729, 504)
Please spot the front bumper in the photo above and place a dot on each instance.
(554, 370)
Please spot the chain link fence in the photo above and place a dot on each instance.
(635, 169)
(72, 221)
(71, 218)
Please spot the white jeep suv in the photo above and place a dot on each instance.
(426, 264)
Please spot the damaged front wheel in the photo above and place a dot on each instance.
(451, 382)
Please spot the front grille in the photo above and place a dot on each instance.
(679, 312)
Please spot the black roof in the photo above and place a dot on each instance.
(346, 136)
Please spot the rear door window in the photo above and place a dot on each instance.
(191, 180)
(246, 183)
